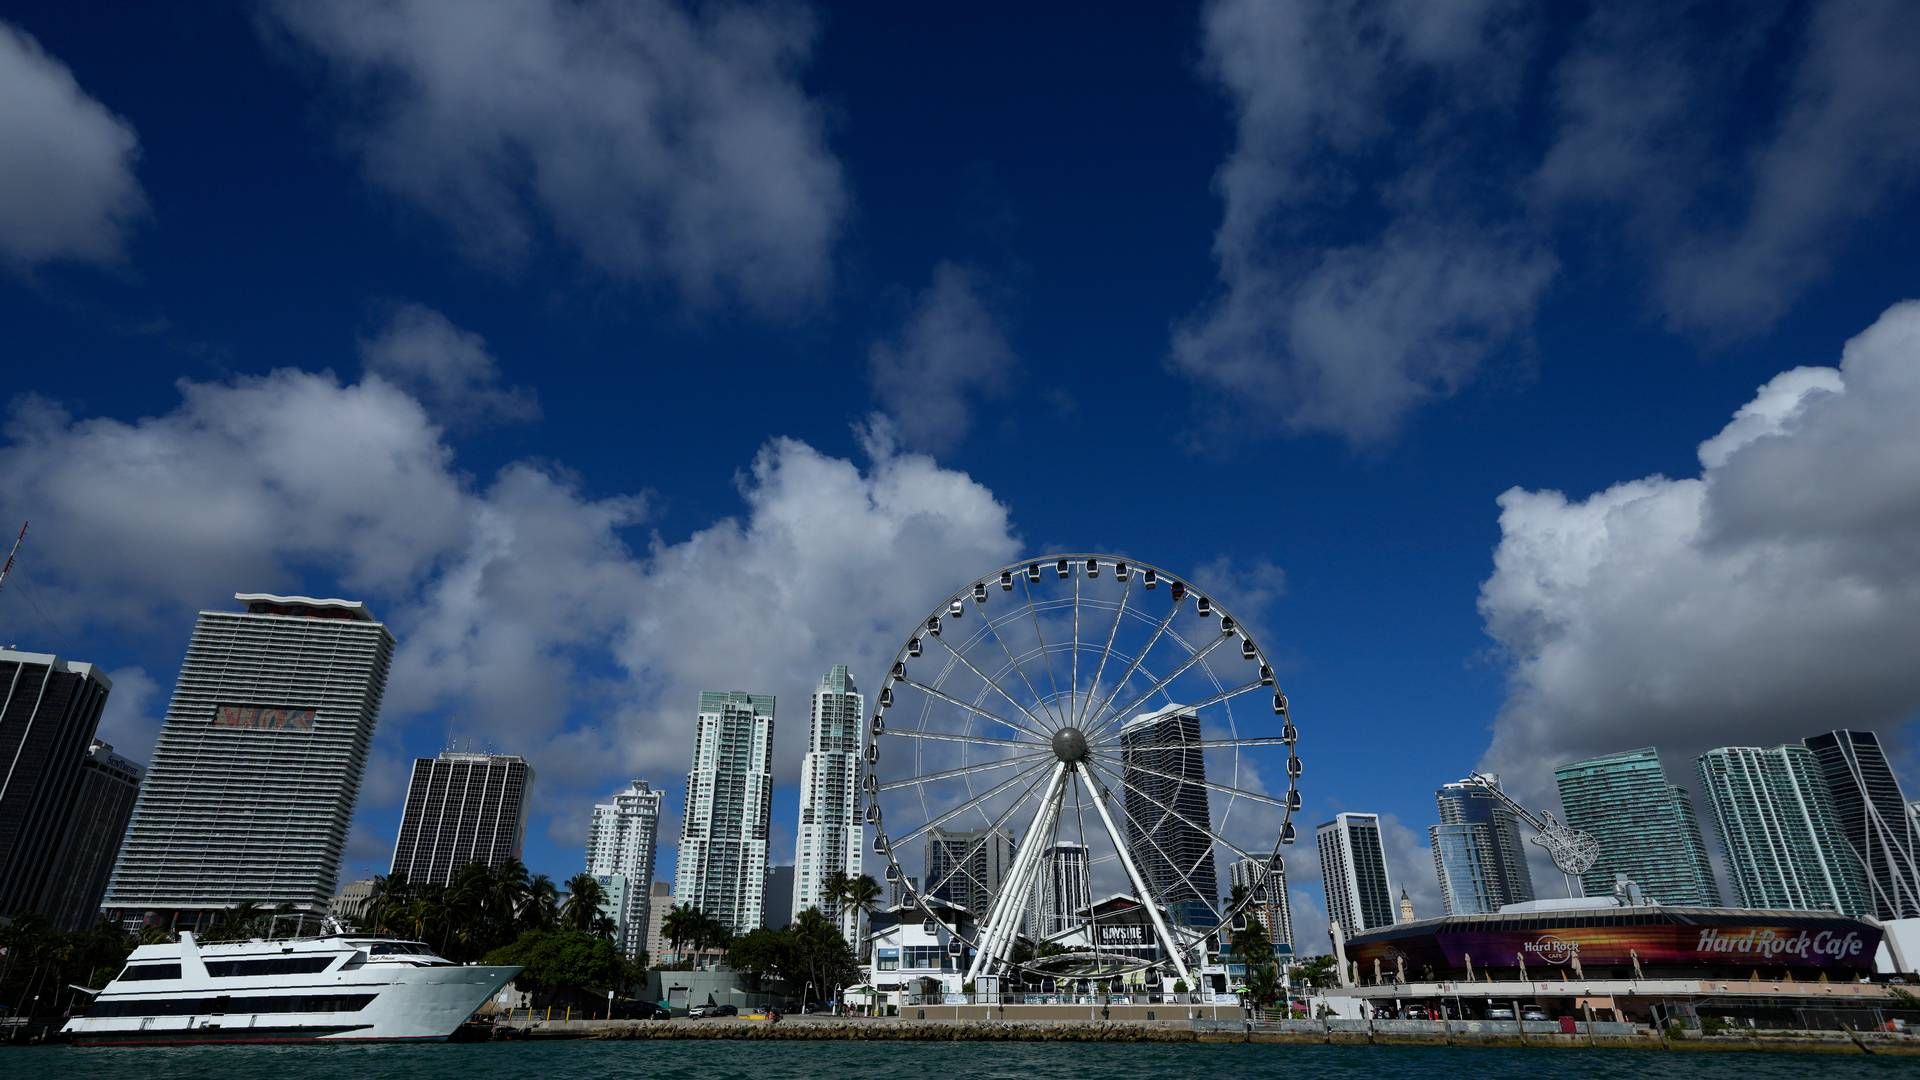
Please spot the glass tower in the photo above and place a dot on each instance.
(1873, 815)
(1646, 828)
(251, 790)
(1477, 851)
(461, 808)
(1353, 868)
(49, 711)
(1062, 891)
(722, 865)
(1168, 820)
(830, 836)
(966, 868)
(1780, 831)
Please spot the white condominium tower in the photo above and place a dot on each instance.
(722, 867)
(253, 780)
(1353, 867)
(621, 842)
(1270, 903)
(830, 833)
(1062, 891)
(461, 808)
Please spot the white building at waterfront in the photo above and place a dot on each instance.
(722, 864)
(621, 841)
(1270, 903)
(830, 837)
(1353, 867)
(251, 790)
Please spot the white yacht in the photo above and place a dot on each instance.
(338, 987)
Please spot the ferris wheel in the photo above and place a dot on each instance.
(1064, 758)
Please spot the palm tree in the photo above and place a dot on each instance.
(862, 894)
(584, 900)
(542, 909)
(833, 892)
(678, 925)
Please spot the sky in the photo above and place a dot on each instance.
(1535, 383)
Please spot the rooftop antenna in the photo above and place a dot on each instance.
(7, 568)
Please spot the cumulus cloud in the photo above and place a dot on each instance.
(69, 192)
(950, 351)
(1349, 336)
(659, 144)
(1775, 594)
(446, 368)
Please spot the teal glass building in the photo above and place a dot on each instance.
(1646, 828)
(1776, 820)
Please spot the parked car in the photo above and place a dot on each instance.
(640, 1010)
(1417, 1012)
(1499, 1012)
(1532, 1012)
(703, 1012)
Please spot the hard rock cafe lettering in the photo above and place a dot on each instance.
(1768, 944)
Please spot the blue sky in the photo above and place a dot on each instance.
(613, 351)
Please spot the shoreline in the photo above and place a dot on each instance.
(1858, 1044)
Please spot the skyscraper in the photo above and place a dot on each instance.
(1168, 820)
(621, 840)
(1062, 890)
(251, 789)
(1778, 826)
(659, 902)
(1646, 828)
(967, 868)
(722, 868)
(1872, 811)
(1353, 867)
(830, 835)
(461, 808)
(91, 836)
(1271, 904)
(49, 711)
(1477, 851)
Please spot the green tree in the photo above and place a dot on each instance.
(679, 926)
(542, 910)
(821, 959)
(1317, 970)
(761, 955)
(564, 960)
(584, 899)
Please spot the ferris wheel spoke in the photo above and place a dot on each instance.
(976, 801)
(982, 676)
(1046, 658)
(1210, 785)
(1093, 688)
(1167, 941)
(1010, 902)
(1073, 677)
(1171, 812)
(964, 770)
(1165, 680)
(1185, 875)
(1109, 734)
(1138, 659)
(991, 830)
(979, 740)
(975, 709)
(1032, 689)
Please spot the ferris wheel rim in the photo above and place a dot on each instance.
(1051, 715)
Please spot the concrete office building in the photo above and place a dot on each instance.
(251, 790)
(622, 839)
(1645, 825)
(829, 835)
(49, 712)
(1778, 826)
(90, 838)
(1353, 868)
(722, 866)
(1873, 815)
(461, 808)
(1062, 890)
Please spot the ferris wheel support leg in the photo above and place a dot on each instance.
(1008, 906)
(1140, 889)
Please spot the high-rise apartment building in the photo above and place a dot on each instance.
(967, 868)
(1169, 822)
(1646, 828)
(722, 867)
(461, 808)
(1271, 903)
(1061, 891)
(251, 790)
(1353, 867)
(91, 836)
(1873, 815)
(1477, 851)
(1778, 826)
(659, 902)
(49, 711)
(829, 833)
(622, 839)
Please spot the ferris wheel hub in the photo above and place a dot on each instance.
(1070, 745)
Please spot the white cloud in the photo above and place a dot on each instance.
(950, 351)
(445, 367)
(69, 189)
(135, 708)
(1774, 595)
(1349, 336)
(659, 144)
